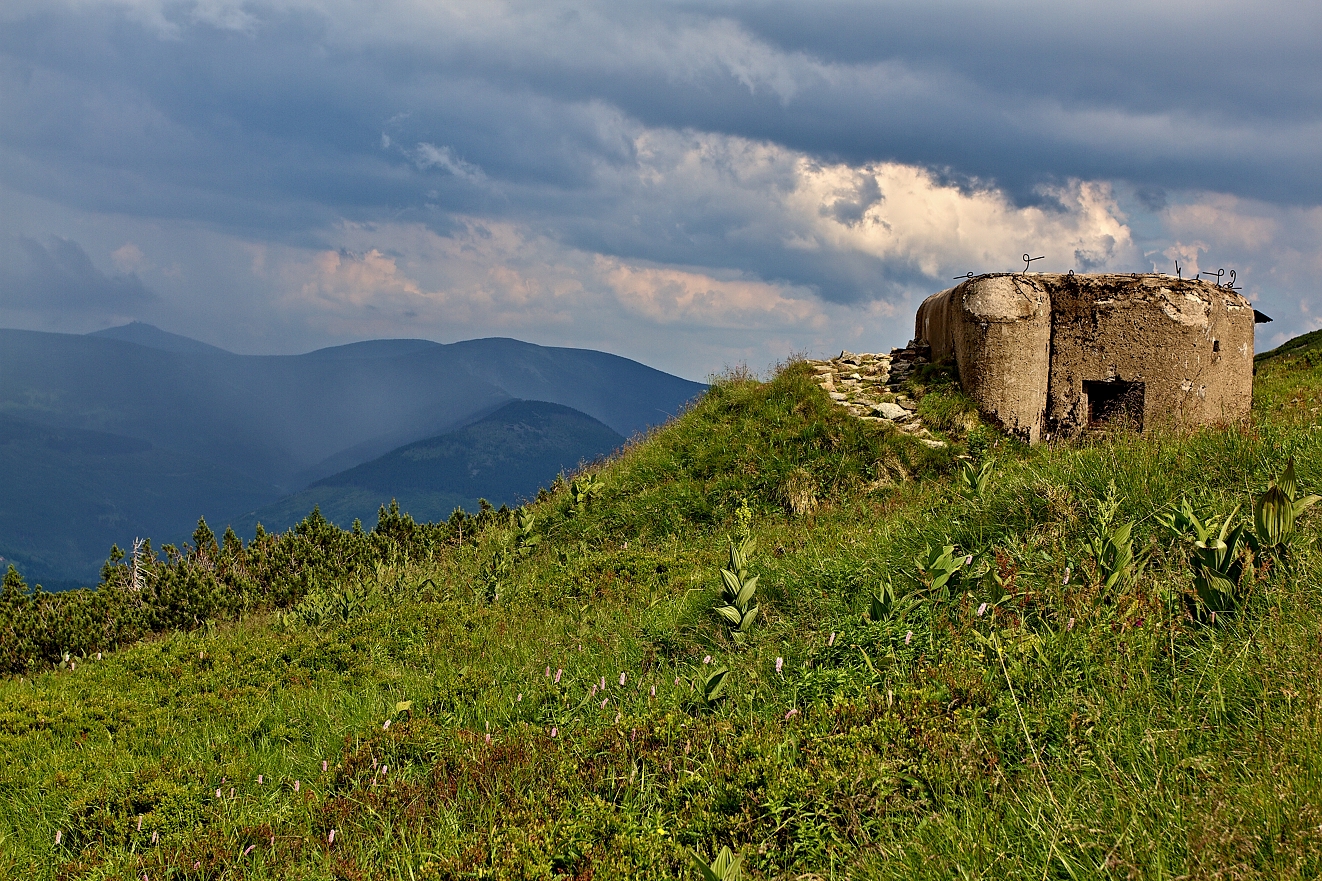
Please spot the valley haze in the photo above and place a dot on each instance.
(135, 432)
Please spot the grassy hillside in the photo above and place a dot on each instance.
(504, 458)
(543, 698)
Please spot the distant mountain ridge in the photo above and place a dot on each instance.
(503, 458)
(153, 337)
(277, 418)
(275, 424)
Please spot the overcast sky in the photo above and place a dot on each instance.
(692, 185)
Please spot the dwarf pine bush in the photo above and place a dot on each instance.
(211, 580)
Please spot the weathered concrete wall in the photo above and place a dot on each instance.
(1189, 342)
(1029, 348)
(997, 329)
(934, 325)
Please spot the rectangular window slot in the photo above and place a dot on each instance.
(1114, 404)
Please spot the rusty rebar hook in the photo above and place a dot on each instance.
(1218, 275)
(1028, 261)
(967, 275)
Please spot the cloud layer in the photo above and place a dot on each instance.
(689, 183)
(37, 277)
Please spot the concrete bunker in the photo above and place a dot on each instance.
(1048, 354)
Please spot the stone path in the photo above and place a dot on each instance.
(870, 387)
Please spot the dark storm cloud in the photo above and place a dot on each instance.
(292, 108)
(61, 277)
(277, 119)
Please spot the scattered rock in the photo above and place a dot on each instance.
(863, 380)
(890, 411)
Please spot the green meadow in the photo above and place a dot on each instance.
(982, 661)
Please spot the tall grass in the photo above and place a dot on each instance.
(1023, 723)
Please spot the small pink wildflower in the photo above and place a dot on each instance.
(217, 792)
(707, 660)
(558, 674)
(488, 736)
(780, 662)
(385, 726)
(618, 717)
(1070, 625)
(259, 779)
(908, 637)
(831, 641)
(605, 701)
(982, 609)
(519, 699)
(296, 785)
(548, 672)
(330, 837)
(249, 849)
(653, 691)
(139, 822)
(1066, 579)
(554, 731)
(623, 676)
(792, 712)
(603, 683)
(155, 837)
(323, 766)
(231, 792)
(59, 836)
(968, 559)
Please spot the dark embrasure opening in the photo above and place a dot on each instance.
(1114, 403)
